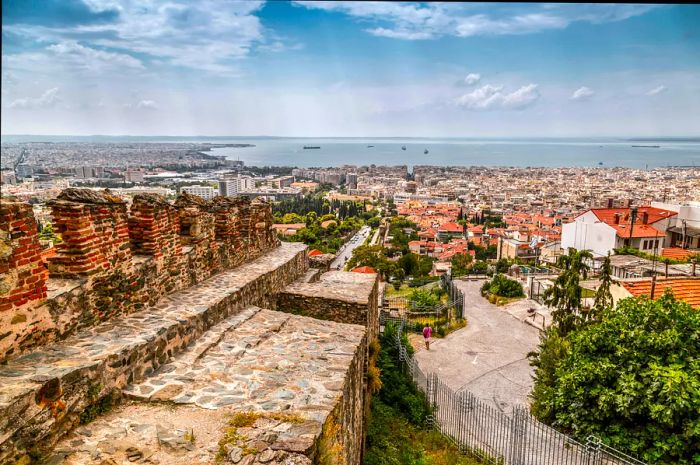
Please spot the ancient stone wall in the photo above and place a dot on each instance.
(115, 260)
(342, 437)
(340, 296)
(44, 394)
(23, 273)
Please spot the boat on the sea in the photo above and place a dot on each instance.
(403, 147)
(370, 146)
(600, 162)
(307, 147)
(425, 152)
(647, 146)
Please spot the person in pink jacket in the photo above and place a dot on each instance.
(427, 332)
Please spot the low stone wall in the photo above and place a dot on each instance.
(322, 262)
(115, 261)
(44, 394)
(342, 436)
(340, 296)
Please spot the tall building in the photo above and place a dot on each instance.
(205, 192)
(351, 180)
(134, 175)
(231, 186)
(24, 171)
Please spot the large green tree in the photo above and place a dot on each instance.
(632, 379)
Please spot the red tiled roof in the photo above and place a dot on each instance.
(677, 253)
(314, 252)
(451, 227)
(607, 215)
(364, 269)
(686, 289)
(640, 230)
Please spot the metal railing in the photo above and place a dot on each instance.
(495, 437)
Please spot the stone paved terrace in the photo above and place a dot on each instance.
(42, 393)
(301, 376)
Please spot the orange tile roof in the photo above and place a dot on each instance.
(640, 230)
(677, 253)
(686, 289)
(314, 252)
(364, 269)
(607, 215)
(451, 227)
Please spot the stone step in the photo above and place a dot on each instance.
(187, 358)
(43, 393)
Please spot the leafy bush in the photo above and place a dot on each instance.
(423, 298)
(502, 286)
(633, 379)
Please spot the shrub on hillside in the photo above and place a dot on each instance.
(502, 286)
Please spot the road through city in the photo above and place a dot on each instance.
(345, 251)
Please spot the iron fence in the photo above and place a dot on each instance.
(496, 437)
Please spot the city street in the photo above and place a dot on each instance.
(488, 357)
(345, 251)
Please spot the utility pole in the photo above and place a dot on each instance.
(633, 218)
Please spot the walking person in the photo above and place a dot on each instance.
(427, 332)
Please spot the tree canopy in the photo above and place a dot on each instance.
(633, 379)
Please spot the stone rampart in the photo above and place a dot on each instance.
(114, 260)
(340, 296)
(46, 393)
(23, 274)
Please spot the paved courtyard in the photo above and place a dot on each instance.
(489, 356)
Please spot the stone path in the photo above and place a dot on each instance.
(488, 357)
(259, 360)
(288, 369)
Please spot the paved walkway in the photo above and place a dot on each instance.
(489, 356)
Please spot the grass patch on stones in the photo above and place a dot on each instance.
(232, 438)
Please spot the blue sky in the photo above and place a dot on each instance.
(349, 69)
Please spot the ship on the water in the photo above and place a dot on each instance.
(425, 152)
(403, 147)
(307, 147)
(647, 146)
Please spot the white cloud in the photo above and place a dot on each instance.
(657, 90)
(147, 104)
(47, 99)
(206, 35)
(411, 21)
(92, 59)
(490, 97)
(472, 79)
(582, 93)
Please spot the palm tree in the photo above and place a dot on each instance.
(565, 295)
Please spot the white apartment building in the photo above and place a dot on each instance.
(601, 230)
(205, 192)
(229, 187)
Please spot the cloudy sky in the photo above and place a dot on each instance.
(147, 67)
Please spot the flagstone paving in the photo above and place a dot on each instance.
(290, 369)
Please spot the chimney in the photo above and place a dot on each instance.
(645, 217)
